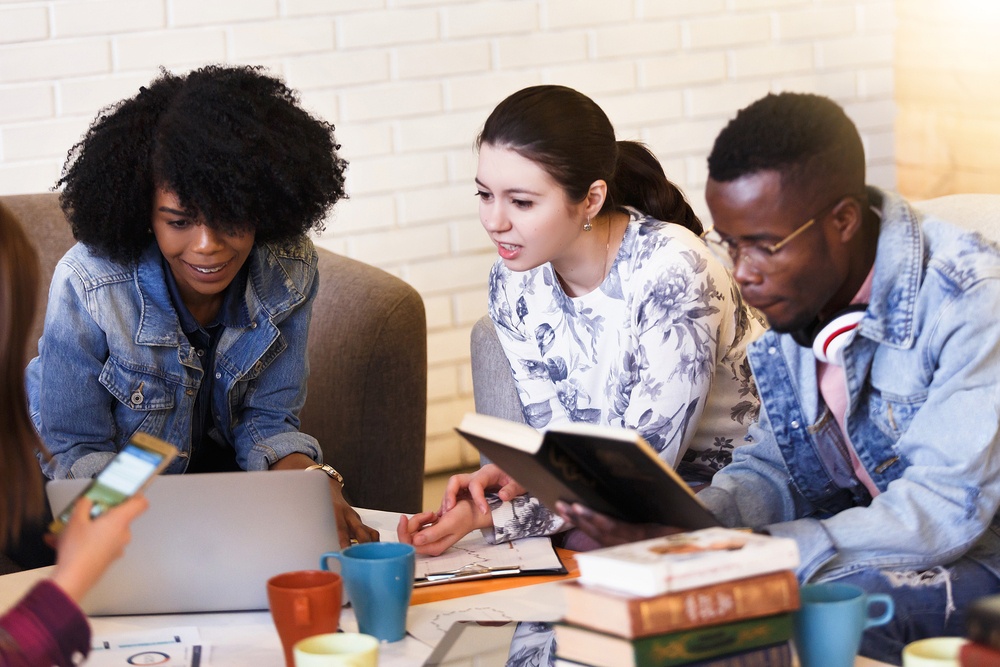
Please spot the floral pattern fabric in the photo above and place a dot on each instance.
(659, 347)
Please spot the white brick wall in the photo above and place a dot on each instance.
(408, 83)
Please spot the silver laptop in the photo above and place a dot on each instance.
(210, 541)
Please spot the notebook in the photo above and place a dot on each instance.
(210, 541)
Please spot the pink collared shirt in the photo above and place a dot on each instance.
(833, 389)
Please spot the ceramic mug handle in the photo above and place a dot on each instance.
(874, 599)
(323, 564)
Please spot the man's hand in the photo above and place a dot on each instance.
(488, 478)
(433, 533)
(607, 531)
(349, 523)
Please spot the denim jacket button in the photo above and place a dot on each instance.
(189, 392)
(772, 350)
(218, 376)
(794, 424)
(136, 398)
(253, 325)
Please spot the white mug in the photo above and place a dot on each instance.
(337, 649)
(933, 652)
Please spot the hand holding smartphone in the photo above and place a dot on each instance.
(128, 473)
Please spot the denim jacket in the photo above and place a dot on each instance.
(923, 375)
(114, 360)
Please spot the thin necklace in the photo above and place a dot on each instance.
(607, 248)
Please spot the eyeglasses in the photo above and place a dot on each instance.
(758, 254)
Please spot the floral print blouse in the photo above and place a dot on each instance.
(659, 347)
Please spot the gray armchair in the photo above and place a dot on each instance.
(367, 400)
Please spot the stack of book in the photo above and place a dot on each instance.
(982, 628)
(716, 596)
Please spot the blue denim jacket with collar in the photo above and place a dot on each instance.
(114, 360)
(923, 375)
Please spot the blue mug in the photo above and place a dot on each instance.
(830, 621)
(378, 578)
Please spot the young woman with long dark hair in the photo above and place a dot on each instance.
(610, 308)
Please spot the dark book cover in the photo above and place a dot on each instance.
(610, 470)
(776, 655)
(675, 648)
(982, 622)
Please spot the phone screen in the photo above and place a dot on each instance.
(123, 476)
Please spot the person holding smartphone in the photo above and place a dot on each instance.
(47, 626)
(184, 309)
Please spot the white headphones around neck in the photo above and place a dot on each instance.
(828, 339)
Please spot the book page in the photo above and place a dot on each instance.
(474, 554)
(529, 554)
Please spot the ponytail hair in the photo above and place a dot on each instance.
(570, 137)
(639, 182)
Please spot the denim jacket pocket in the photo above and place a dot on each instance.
(138, 389)
(893, 413)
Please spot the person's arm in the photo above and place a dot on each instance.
(75, 425)
(751, 492)
(47, 626)
(349, 523)
(518, 303)
(267, 435)
(267, 419)
(517, 515)
(950, 491)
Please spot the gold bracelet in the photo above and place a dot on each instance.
(329, 470)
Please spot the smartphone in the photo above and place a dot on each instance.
(132, 468)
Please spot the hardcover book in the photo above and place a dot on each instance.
(675, 648)
(686, 560)
(611, 470)
(633, 616)
(776, 655)
(978, 655)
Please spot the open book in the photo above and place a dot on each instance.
(610, 470)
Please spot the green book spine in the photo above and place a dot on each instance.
(679, 648)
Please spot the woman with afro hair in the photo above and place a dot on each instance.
(184, 309)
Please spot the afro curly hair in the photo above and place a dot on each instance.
(231, 142)
(806, 138)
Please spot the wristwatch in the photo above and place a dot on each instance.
(329, 470)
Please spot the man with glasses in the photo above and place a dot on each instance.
(877, 446)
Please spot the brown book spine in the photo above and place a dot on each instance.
(633, 617)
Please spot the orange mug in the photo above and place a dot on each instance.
(303, 604)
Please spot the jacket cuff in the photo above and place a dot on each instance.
(266, 453)
(48, 627)
(815, 546)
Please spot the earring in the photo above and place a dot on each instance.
(587, 226)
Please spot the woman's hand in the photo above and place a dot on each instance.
(488, 478)
(432, 533)
(349, 523)
(86, 547)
